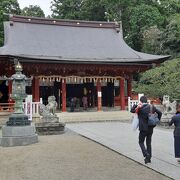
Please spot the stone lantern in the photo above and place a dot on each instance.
(18, 130)
(19, 82)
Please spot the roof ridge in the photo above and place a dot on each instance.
(64, 22)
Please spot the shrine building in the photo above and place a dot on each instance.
(72, 59)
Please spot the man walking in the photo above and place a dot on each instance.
(145, 131)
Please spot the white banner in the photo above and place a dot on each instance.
(28, 107)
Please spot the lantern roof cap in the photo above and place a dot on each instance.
(18, 67)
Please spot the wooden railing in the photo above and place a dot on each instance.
(131, 103)
(7, 107)
(35, 107)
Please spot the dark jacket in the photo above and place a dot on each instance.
(143, 113)
(176, 121)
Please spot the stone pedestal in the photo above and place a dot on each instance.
(50, 119)
(166, 118)
(50, 128)
(36, 118)
(18, 135)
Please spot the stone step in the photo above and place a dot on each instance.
(85, 116)
(68, 117)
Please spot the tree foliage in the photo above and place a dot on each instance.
(66, 9)
(7, 7)
(168, 7)
(93, 10)
(34, 11)
(171, 36)
(152, 40)
(161, 80)
(142, 17)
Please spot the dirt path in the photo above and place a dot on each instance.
(69, 157)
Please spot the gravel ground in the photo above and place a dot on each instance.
(69, 157)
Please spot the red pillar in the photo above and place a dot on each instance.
(35, 89)
(122, 96)
(99, 95)
(129, 86)
(63, 95)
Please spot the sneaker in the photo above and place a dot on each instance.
(147, 159)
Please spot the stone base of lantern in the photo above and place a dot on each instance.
(18, 119)
(18, 135)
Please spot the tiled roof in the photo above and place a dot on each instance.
(69, 41)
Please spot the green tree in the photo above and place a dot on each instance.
(168, 7)
(7, 7)
(152, 40)
(88, 9)
(93, 10)
(161, 80)
(34, 11)
(142, 17)
(171, 36)
(66, 9)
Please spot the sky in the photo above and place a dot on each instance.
(44, 5)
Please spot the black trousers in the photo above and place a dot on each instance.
(177, 146)
(146, 136)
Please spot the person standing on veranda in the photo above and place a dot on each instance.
(85, 102)
(145, 131)
(176, 121)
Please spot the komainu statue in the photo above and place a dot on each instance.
(52, 104)
(49, 122)
(169, 107)
(48, 111)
